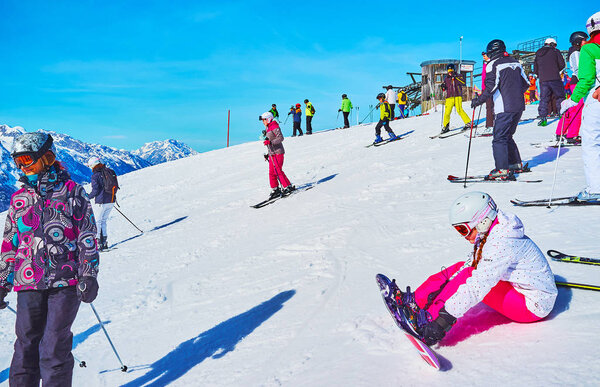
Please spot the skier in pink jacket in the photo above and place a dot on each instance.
(506, 271)
(274, 143)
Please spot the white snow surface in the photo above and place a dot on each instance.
(216, 293)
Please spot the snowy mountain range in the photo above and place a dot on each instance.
(74, 153)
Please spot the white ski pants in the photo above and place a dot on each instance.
(101, 212)
(590, 143)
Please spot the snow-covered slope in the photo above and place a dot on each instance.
(216, 293)
(157, 152)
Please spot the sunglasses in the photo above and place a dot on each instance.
(463, 229)
(24, 161)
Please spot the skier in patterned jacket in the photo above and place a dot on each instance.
(49, 257)
(506, 271)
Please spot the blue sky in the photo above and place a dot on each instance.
(122, 73)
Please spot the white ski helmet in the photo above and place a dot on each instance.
(550, 41)
(473, 210)
(34, 144)
(593, 23)
(93, 161)
(266, 116)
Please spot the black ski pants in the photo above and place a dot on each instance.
(503, 146)
(549, 89)
(44, 338)
(392, 109)
(385, 124)
(309, 124)
(298, 128)
(346, 121)
(489, 112)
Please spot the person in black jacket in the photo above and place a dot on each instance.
(547, 65)
(506, 82)
(104, 201)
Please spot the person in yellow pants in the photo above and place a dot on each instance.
(452, 85)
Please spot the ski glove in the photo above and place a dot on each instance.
(339, 110)
(566, 105)
(475, 101)
(87, 289)
(267, 142)
(3, 293)
(266, 157)
(436, 330)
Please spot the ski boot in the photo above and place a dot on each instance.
(288, 190)
(518, 168)
(467, 126)
(500, 174)
(378, 139)
(587, 196)
(574, 140)
(446, 129)
(543, 121)
(392, 136)
(275, 193)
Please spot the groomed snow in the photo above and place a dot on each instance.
(216, 293)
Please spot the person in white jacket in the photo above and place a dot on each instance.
(506, 271)
(391, 96)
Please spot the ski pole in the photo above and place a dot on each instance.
(119, 211)
(469, 149)
(82, 364)
(367, 115)
(286, 118)
(558, 154)
(478, 115)
(123, 367)
(338, 117)
(442, 119)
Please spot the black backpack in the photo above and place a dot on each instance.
(312, 109)
(111, 184)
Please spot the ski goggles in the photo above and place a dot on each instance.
(463, 228)
(25, 160)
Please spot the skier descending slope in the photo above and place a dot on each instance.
(507, 271)
(273, 141)
(506, 82)
(384, 119)
(49, 258)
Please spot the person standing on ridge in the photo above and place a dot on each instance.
(506, 81)
(49, 258)
(310, 112)
(274, 112)
(452, 85)
(547, 65)
(391, 96)
(589, 78)
(297, 116)
(345, 109)
(104, 191)
(402, 101)
(384, 119)
(274, 143)
(506, 271)
(570, 122)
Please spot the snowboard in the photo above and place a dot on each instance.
(401, 321)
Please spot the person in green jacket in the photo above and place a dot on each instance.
(345, 109)
(385, 113)
(589, 78)
(274, 112)
(310, 112)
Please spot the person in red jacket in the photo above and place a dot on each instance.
(274, 143)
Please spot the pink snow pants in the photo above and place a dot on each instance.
(276, 174)
(571, 121)
(503, 297)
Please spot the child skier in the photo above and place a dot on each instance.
(273, 142)
(589, 78)
(384, 119)
(49, 258)
(506, 270)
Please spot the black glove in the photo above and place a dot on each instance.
(574, 80)
(266, 157)
(377, 106)
(443, 87)
(3, 293)
(339, 110)
(87, 289)
(436, 330)
(475, 101)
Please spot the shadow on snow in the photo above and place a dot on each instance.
(548, 156)
(154, 229)
(215, 342)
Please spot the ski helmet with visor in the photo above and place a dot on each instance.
(473, 210)
(30, 147)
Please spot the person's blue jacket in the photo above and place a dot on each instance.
(98, 192)
(298, 115)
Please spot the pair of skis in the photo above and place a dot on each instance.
(561, 257)
(560, 201)
(385, 141)
(273, 200)
(450, 133)
(484, 178)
